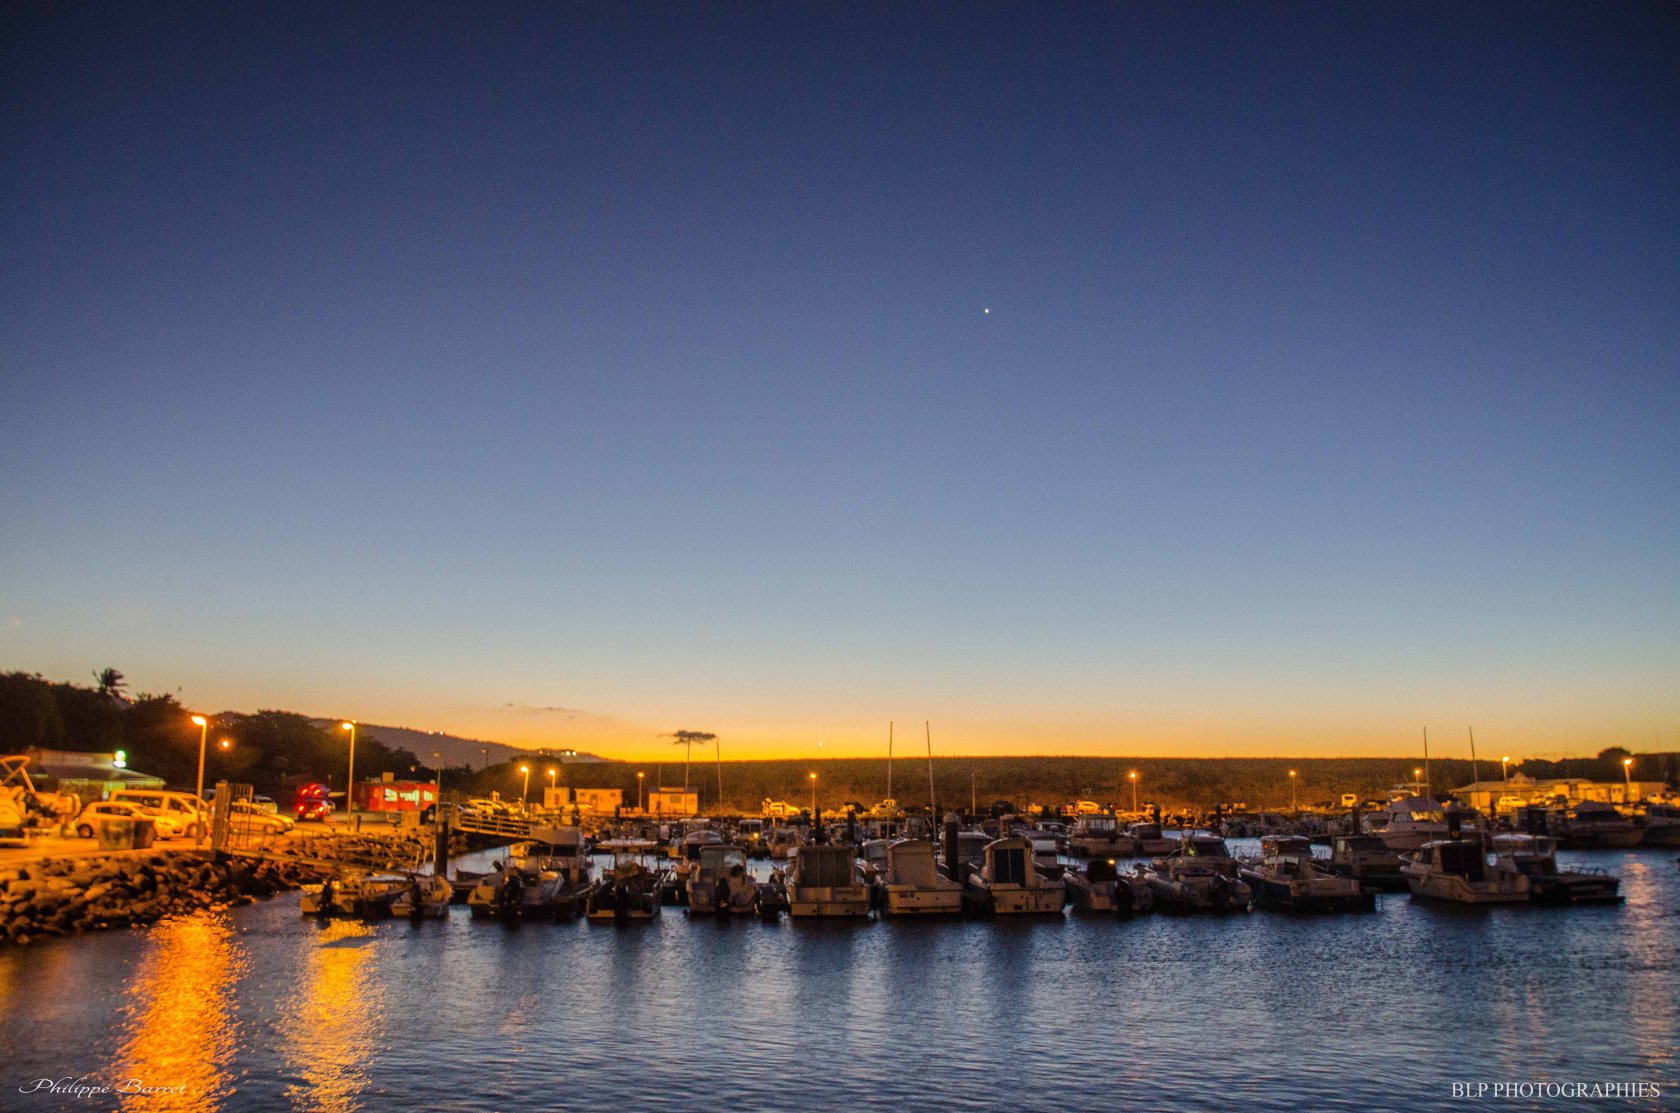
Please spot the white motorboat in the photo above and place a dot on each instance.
(629, 889)
(1098, 887)
(719, 884)
(426, 897)
(1457, 870)
(1099, 836)
(1009, 883)
(1410, 821)
(913, 884)
(825, 880)
(1287, 876)
(1535, 857)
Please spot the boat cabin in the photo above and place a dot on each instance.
(824, 866)
(1466, 858)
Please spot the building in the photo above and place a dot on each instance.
(588, 801)
(90, 776)
(1507, 795)
(676, 803)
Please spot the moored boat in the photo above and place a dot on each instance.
(1099, 887)
(719, 884)
(1008, 883)
(425, 897)
(1288, 877)
(1535, 857)
(913, 884)
(825, 880)
(1595, 825)
(1369, 861)
(629, 889)
(1457, 871)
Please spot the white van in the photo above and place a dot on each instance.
(183, 807)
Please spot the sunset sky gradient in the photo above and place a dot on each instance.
(572, 374)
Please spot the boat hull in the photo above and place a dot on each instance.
(1022, 900)
(1308, 897)
(828, 902)
(1452, 889)
(907, 900)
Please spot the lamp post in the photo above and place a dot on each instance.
(1627, 780)
(525, 792)
(198, 805)
(1292, 806)
(641, 779)
(973, 796)
(1505, 769)
(813, 797)
(551, 781)
(437, 760)
(1417, 779)
(350, 778)
(1133, 777)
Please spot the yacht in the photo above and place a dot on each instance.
(1368, 860)
(1098, 887)
(970, 855)
(1099, 836)
(913, 884)
(719, 884)
(824, 880)
(1457, 870)
(1595, 825)
(629, 889)
(1535, 857)
(784, 841)
(1410, 821)
(1008, 883)
(1287, 876)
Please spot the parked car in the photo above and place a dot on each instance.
(267, 804)
(246, 816)
(87, 824)
(183, 808)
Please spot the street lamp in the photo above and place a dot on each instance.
(526, 791)
(551, 782)
(198, 803)
(350, 777)
(1417, 779)
(1627, 779)
(1133, 776)
(227, 743)
(813, 797)
(1505, 769)
(641, 779)
(1292, 806)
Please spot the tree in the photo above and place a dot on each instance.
(111, 683)
(29, 717)
(687, 739)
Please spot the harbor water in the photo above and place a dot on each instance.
(257, 1008)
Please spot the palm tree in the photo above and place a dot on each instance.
(687, 739)
(111, 684)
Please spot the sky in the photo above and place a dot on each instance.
(1116, 378)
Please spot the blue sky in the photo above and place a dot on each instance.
(439, 366)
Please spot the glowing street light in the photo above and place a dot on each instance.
(198, 805)
(1627, 779)
(526, 791)
(551, 775)
(350, 776)
(1505, 769)
(813, 797)
(641, 779)
(1292, 782)
(1133, 776)
(227, 743)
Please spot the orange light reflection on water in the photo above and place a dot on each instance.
(178, 1031)
(333, 1021)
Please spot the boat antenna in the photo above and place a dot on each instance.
(933, 802)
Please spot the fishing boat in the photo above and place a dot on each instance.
(1535, 857)
(823, 880)
(1457, 870)
(913, 884)
(1595, 825)
(316, 901)
(719, 884)
(559, 872)
(1287, 876)
(1368, 860)
(1099, 887)
(965, 855)
(1099, 836)
(687, 850)
(1008, 883)
(425, 897)
(368, 897)
(629, 890)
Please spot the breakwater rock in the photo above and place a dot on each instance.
(62, 896)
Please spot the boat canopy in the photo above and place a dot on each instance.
(911, 862)
(824, 866)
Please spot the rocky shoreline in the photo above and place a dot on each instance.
(64, 896)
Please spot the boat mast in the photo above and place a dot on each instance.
(889, 761)
(933, 802)
(1474, 775)
(1426, 762)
